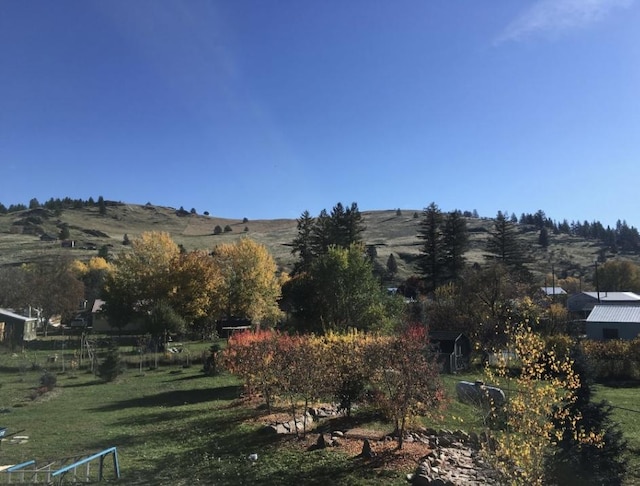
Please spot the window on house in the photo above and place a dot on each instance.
(609, 333)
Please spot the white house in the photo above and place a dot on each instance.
(613, 322)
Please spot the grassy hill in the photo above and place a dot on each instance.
(21, 236)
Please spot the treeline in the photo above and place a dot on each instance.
(54, 204)
(621, 238)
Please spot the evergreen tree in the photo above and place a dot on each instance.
(303, 243)
(503, 243)
(103, 252)
(102, 206)
(455, 238)
(345, 225)
(342, 228)
(584, 463)
(392, 265)
(321, 237)
(65, 234)
(111, 367)
(432, 251)
(33, 203)
(543, 238)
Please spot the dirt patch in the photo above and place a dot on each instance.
(385, 452)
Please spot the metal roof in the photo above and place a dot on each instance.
(553, 290)
(615, 313)
(13, 315)
(614, 296)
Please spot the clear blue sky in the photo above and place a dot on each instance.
(263, 109)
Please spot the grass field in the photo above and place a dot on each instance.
(174, 425)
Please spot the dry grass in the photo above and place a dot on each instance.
(387, 231)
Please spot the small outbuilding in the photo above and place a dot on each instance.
(613, 322)
(15, 328)
(452, 348)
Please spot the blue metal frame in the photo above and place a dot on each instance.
(99, 455)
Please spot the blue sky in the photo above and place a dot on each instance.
(263, 109)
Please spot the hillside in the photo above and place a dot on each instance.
(21, 236)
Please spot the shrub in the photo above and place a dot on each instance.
(48, 380)
(112, 365)
(217, 230)
(613, 360)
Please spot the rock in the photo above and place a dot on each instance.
(321, 443)
(367, 452)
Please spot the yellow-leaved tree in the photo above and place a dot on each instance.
(250, 285)
(541, 385)
(140, 278)
(196, 280)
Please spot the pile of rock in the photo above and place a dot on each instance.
(311, 415)
(455, 459)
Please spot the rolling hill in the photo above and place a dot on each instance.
(31, 235)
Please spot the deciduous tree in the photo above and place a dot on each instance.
(341, 293)
(406, 377)
(250, 285)
(618, 275)
(140, 278)
(540, 395)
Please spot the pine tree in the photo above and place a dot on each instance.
(303, 243)
(432, 251)
(543, 238)
(65, 234)
(102, 207)
(580, 462)
(455, 238)
(503, 243)
(112, 365)
(392, 265)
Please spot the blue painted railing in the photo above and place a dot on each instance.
(30, 472)
(100, 455)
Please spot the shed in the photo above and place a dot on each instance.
(15, 328)
(227, 326)
(452, 348)
(613, 322)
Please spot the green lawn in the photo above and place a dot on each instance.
(626, 412)
(173, 425)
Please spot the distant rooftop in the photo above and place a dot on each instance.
(13, 315)
(614, 313)
(614, 296)
(553, 290)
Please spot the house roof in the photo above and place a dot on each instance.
(13, 315)
(615, 313)
(553, 290)
(614, 296)
(97, 305)
(444, 335)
